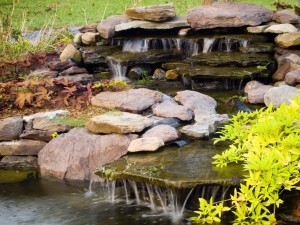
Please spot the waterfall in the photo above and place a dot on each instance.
(208, 44)
(244, 43)
(136, 45)
(117, 69)
(225, 44)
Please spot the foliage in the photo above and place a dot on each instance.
(50, 91)
(54, 135)
(267, 143)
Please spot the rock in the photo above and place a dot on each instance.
(50, 126)
(70, 52)
(176, 22)
(77, 38)
(258, 48)
(41, 135)
(282, 71)
(213, 120)
(159, 74)
(197, 130)
(164, 132)
(224, 14)
(156, 13)
(288, 39)
(133, 100)
(18, 162)
(282, 51)
(82, 78)
(73, 70)
(21, 147)
(292, 77)
(106, 28)
(89, 38)
(185, 31)
(168, 109)
(281, 28)
(11, 128)
(145, 144)
(61, 66)
(49, 115)
(97, 55)
(118, 122)
(253, 84)
(279, 83)
(173, 122)
(256, 95)
(88, 28)
(171, 75)
(42, 73)
(257, 29)
(287, 57)
(195, 100)
(285, 16)
(139, 72)
(75, 155)
(279, 95)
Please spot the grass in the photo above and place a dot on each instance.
(77, 12)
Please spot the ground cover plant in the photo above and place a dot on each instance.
(267, 143)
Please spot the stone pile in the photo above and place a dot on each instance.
(146, 121)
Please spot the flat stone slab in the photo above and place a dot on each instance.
(174, 167)
(48, 115)
(133, 100)
(176, 22)
(21, 147)
(18, 162)
(231, 59)
(155, 13)
(225, 14)
(220, 72)
(97, 54)
(281, 28)
(118, 122)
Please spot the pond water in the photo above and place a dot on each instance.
(47, 202)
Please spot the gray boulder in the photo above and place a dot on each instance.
(164, 132)
(169, 109)
(279, 95)
(195, 100)
(75, 155)
(145, 144)
(11, 128)
(224, 14)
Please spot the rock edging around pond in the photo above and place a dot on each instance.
(76, 152)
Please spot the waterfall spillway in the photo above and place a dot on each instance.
(117, 69)
(136, 45)
(208, 44)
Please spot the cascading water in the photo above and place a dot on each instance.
(117, 69)
(208, 44)
(244, 43)
(136, 45)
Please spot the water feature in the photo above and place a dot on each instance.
(208, 44)
(118, 70)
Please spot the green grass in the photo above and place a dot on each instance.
(56, 13)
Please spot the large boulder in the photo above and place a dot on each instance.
(288, 39)
(224, 14)
(195, 100)
(145, 144)
(106, 28)
(118, 122)
(176, 22)
(164, 132)
(75, 155)
(156, 13)
(279, 95)
(11, 128)
(21, 147)
(168, 109)
(286, 16)
(133, 100)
